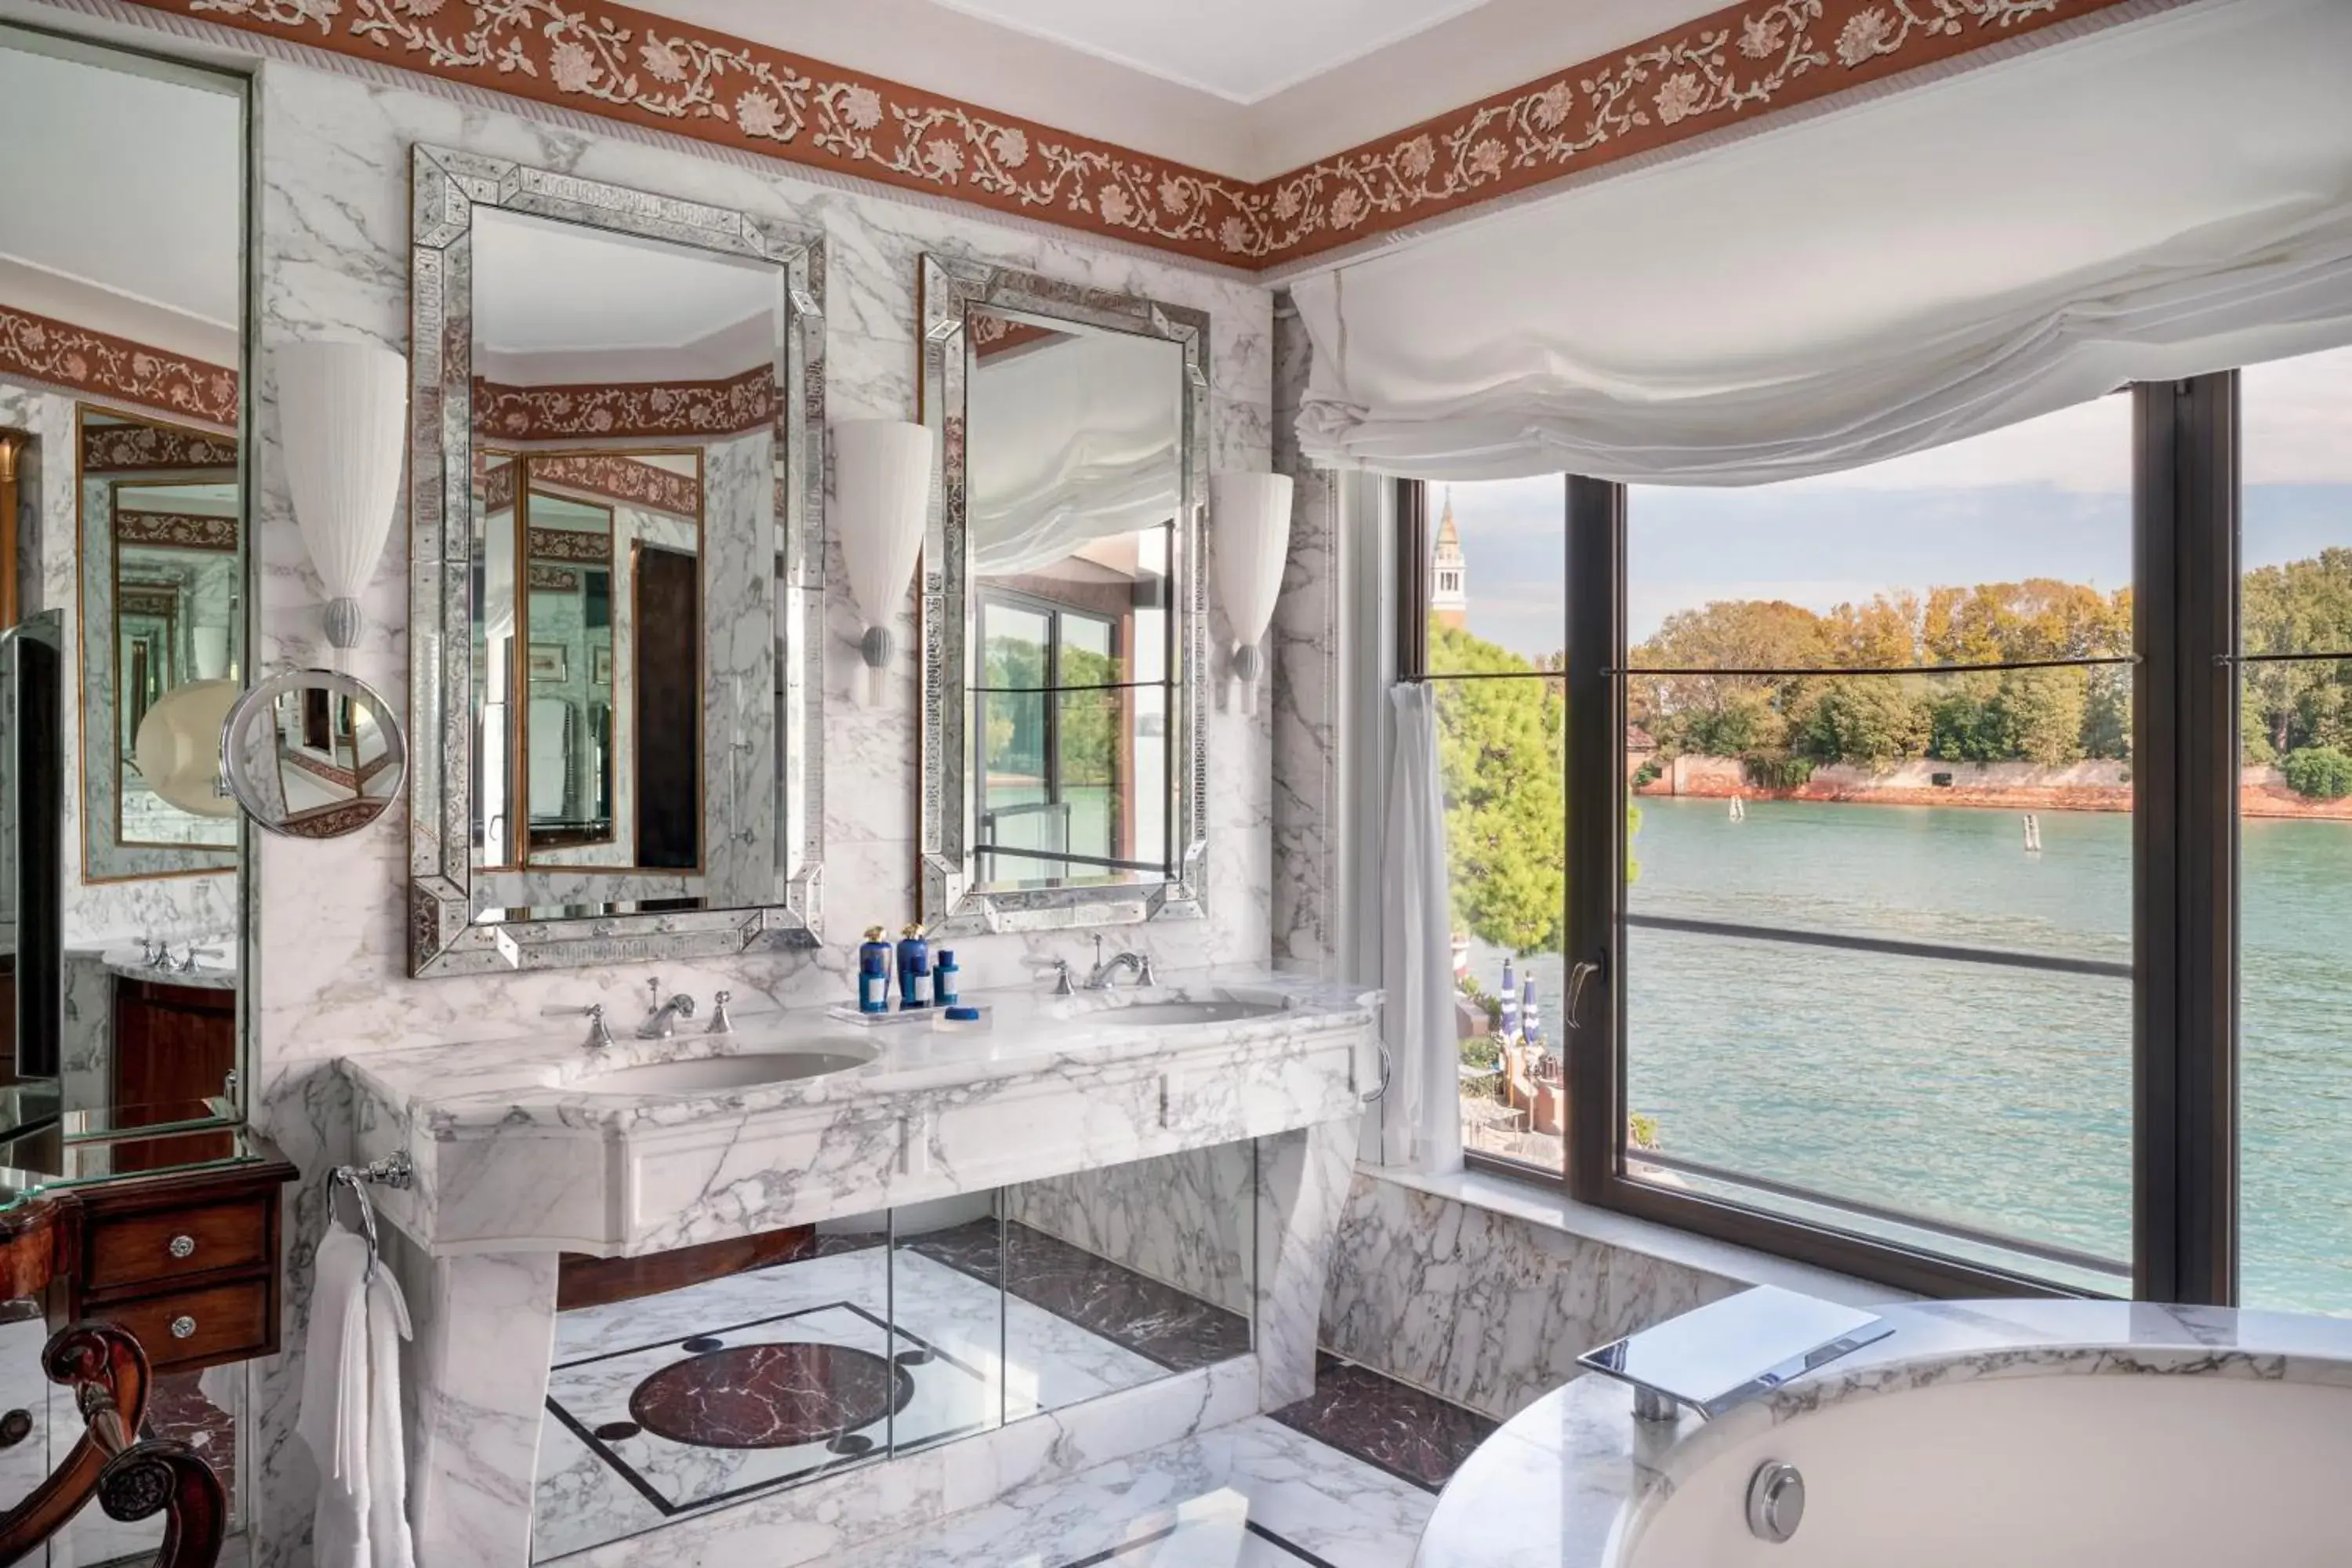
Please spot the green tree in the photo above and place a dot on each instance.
(1869, 720)
(2321, 773)
(1499, 757)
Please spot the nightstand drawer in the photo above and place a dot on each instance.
(166, 1244)
(217, 1323)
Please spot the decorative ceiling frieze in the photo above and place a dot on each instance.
(1730, 68)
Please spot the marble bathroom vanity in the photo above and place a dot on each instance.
(532, 1151)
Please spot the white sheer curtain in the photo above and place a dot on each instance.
(1420, 1125)
(2170, 197)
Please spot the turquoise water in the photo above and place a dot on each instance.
(1993, 1096)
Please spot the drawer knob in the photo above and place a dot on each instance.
(184, 1327)
(183, 1246)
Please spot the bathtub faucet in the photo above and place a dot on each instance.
(1732, 1351)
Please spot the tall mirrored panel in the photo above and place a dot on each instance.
(124, 568)
(618, 755)
(1063, 726)
(125, 594)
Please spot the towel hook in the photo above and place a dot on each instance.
(395, 1169)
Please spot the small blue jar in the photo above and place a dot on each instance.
(943, 979)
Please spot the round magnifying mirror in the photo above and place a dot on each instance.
(313, 754)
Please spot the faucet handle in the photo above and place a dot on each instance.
(598, 1033)
(1060, 970)
(1144, 974)
(720, 1024)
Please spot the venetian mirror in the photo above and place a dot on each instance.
(1063, 734)
(619, 406)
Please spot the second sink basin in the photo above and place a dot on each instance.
(1146, 1015)
(745, 1069)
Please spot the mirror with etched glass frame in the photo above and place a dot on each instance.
(618, 478)
(1064, 742)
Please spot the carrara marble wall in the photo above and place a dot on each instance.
(332, 973)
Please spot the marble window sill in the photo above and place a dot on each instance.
(1533, 1203)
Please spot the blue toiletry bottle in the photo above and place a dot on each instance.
(914, 968)
(874, 972)
(943, 979)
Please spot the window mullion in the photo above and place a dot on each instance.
(2185, 766)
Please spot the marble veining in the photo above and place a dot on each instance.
(1481, 1307)
(1572, 1480)
(512, 1150)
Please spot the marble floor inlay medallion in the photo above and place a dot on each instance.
(768, 1395)
(971, 1356)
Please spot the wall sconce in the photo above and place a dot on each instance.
(343, 423)
(1250, 516)
(881, 498)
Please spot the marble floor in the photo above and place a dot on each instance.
(1258, 1494)
(700, 1396)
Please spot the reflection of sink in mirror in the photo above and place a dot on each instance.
(1144, 1014)
(748, 1069)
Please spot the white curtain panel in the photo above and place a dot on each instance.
(2167, 197)
(1420, 1125)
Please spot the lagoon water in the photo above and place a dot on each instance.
(1990, 1096)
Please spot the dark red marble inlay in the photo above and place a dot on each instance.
(769, 1395)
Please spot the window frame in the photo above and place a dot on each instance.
(2185, 526)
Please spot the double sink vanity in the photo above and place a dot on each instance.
(533, 1157)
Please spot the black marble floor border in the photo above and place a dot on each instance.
(1396, 1428)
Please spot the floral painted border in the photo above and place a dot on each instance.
(59, 353)
(637, 410)
(570, 544)
(137, 447)
(612, 477)
(1728, 67)
(175, 529)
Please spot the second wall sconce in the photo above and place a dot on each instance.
(343, 423)
(1249, 521)
(881, 501)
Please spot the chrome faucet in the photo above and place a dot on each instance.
(599, 1036)
(1059, 968)
(720, 1024)
(186, 963)
(661, 1023)
(1107, 972)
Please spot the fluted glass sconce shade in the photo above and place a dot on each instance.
(881, 500)
(1249, 523)
(342, 422)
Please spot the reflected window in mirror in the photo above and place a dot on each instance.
(1073, 520)
(630, 504)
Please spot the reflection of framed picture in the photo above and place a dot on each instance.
(547, 661)
(600, 667)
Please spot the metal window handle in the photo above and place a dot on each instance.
(184, 1246)
(1577, 979)
(184, 1327)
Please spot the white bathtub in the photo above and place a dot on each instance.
(1982, 1435)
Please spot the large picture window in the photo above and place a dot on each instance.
(1954, 847)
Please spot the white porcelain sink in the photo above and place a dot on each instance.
(1148, 1015)
(744, 1069)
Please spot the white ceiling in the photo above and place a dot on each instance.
(1241, 50)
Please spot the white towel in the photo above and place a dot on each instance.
(351, 1409)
